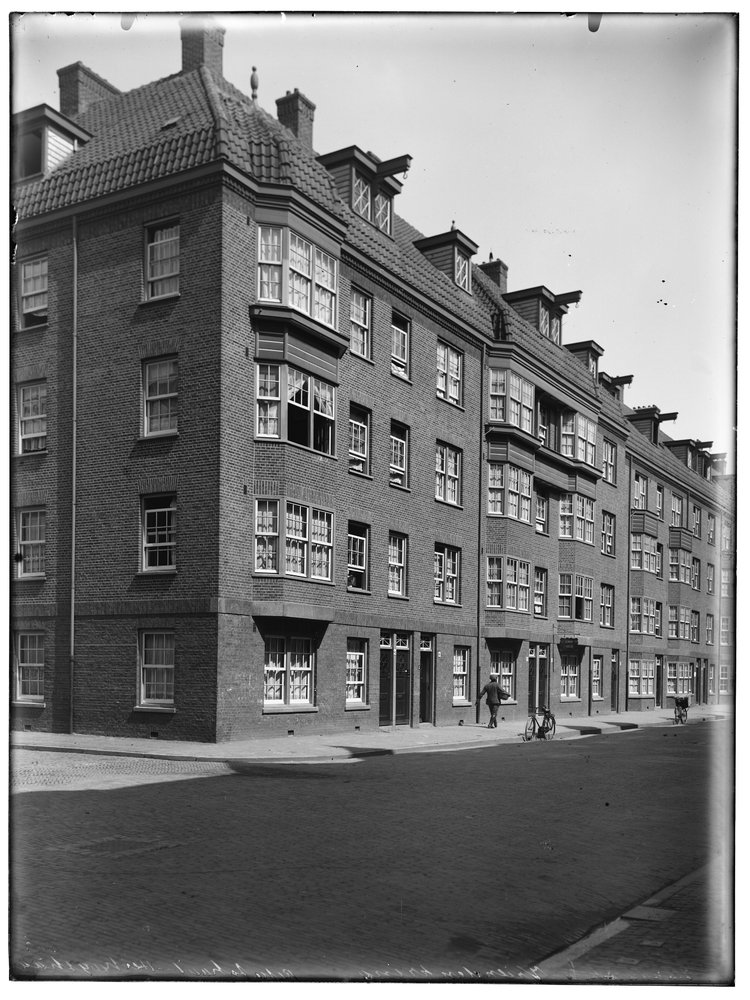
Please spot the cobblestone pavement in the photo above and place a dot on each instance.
(472, 865)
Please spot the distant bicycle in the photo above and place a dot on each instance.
(680, 711)
(543, 730)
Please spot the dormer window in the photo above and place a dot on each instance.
(43, 139)
(383, 212)
(463, 271)
(367, 183)
(361, 196)
(450, 253)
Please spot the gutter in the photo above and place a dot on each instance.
(480, 531)
(627, 597)
(73, 483)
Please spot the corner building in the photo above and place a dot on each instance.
(281, 463)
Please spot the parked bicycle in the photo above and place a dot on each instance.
(680, 711)
(540, 730)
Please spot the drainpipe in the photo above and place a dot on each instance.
(480, 532)
(73, 485)
(627, 598)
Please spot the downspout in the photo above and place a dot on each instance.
(627, 598)
(73, 484)
(480, 532)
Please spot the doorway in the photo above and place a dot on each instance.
(395, 679)
(614, 679)
(426, 680)
(538, 677)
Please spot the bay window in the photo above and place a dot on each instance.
(295, 406)
(517, 584)
(511, 399)
(309, 283)
(299, 543)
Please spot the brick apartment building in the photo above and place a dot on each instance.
(281, 463)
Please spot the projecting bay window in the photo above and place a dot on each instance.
(517, 584)
(449, 373)
(160, 402)
(32, 411)
(360, 341)
(641, 678)
(511, 399)
(399, 466)
(644, 553)
(566, 515)
(582, 607)
(299, 544)
(585, 520)
(163, 260)
(494, 581)
(447, 569)
(643, 615)
(586, 440)
(288, 672)
(358, 557)
(295, 406)
(509, 492)
(34, 292)
(295, 272)
(159, 533)
(447, 473)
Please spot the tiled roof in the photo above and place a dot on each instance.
(182, 121)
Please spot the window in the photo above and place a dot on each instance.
(542, 514)
(607, 606)
(305, 536)
(569, 673)
(543, 425)
(360, 312)
(449, 373)
(566, 515)
(673, 622)
(674, 564)
(608, 534)
(356, 671)
(30, 667)
(639, 492)
(586, 434)
(726, 535)
(462, 270)
(312, 274)
(684, 623)
(461, 658)
(397, 545)
(684, 678)
(503, 663)
(383, 212)
(723, 678)
(494, 581)
(711, 530)
(643, 615)
(709, 630)
(358, 557)
(696, 521)
(711, 678)
(635, 614)
(361, 196)
(159, 533)
(676, 521)
(32, 539)
(725, 581)
(495, 488)
(398, 475)
(519, 494)
(680, 565)
(657, 619)
(32, 411)
(659, 560)
(517, 577)
(725, 629)
(568, 434)
(497, 394)
(161, 409)
(34, 292)
(609, 466)
(584, 606)
(565, 596)
(447, 473)
(641, 677)
(157, 668)
(288, 671)
(359, 440)
(540, 593)
(695, 626)
(400, 346)
(660, 502)
(671, 678)
(309, 415)
(710, 584)
(596, 677)
(695, 581)
(511, 399)
(163, 261)
(447, 568)
(585, 520)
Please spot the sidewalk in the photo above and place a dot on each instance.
(342, 746)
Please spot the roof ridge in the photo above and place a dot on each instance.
(220, 120)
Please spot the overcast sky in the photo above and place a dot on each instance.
(596, 161)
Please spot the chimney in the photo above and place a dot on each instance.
(81, 87)
(296, 112)
(202, 44)
(498, 272)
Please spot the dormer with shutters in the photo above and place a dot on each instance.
(543, 309)
(366, 183)
(451, 253)
(42, 140)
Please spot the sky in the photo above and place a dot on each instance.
(601, 161)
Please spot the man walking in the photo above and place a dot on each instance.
(495, 695)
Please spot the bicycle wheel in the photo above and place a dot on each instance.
(549, 727)
(683, 716)
(530, 730)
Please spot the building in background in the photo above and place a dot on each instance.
(281, 463)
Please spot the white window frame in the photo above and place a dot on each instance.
(723, 678)
(584, 592)
(676, 518)
(684, 623)
(359, 439)
(282, 390)
(671, 677)
(163, 259)
(159, 660)
(360, 315)
(496, 488)
(726, 580)
(640, 492)
(32, 417)
(660, 502)
(494, 581)
(697, 517)
(448, 462)
(542, 514)
(711, 530)
(586, 440)
(608, 533)
(584, 519)
(695, 574)
(461, 673)
(159, 529)
(270, 263)
(398, 550)
(498, 394)
(383, 212)
(291, 546)
(160, 396)
(29, 656)
(566, 515)
(400, 345)
(606, 606)
(710, 578)
(695, 626)
(447, 574)
(596, 678)
(289, 669)
(517, 584)
(361, 196)
(356, 671)
(399, 465)
(450, 366)
(565, 596)
(540, 592)
(296, 271)
(569, 677)
(503, 663)
(358, 556)
(462, 270)
(267, 535)
(34, 292)
(725, 628)
(32, 542)
(609, 461)
(709, 630)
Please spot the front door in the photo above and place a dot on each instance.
(395, 678)
(386, 685)
(425, 680)
(596, 679)
(660, 681)
(538, 677)
(614, 679)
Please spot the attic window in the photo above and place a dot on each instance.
(383, 212)
(30, 158)
(170, 123)
(549, 324)
(463, 271)
(361, 196)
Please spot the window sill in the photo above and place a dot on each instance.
(28, 704)
(462, 703)
(541, 618)
(37, 327)
(544, 533)
(565, 700)
(632, 696)
(30, 454)
(610, 627)
(509, 517)
(447, 604)
(402, 378)
(357, 590)
(288, 709)
(259, 575)
(398, 597)
(302, 447)
(160, 434)
(360, 475)
(163, 709)
(356, 706)
(157, 572)
(31, 576)
(611, 555)
(596, 697)
(362, 357)
(160, 298)
(448, 503)
(397, 486)
(456, 406)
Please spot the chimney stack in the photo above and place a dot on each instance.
(81, 87)
(202, 44)
(498, 272)
(296, 112)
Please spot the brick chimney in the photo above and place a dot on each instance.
(498, 272)
(81, 87)
(297, 113)
(202, 44)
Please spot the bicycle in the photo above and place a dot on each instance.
(543, 730)
(680, 711)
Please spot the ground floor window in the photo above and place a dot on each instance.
(157, 668)
(684, 678)
(723, 678)
(711, 678)
(461, 658)
(671, 678)
(641, 675)
(30, 667)
(356, 671)
(596, 677)
(569, 677)
(503, 663)
(288, 671)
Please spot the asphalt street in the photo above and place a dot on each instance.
(476, 864)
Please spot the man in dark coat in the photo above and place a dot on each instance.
(495, 695)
